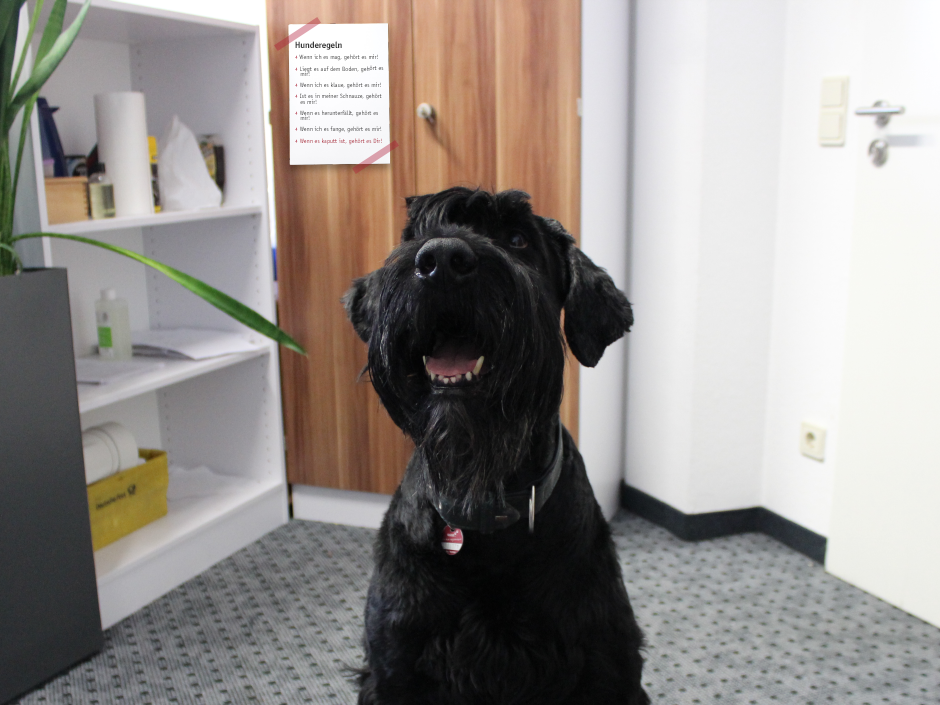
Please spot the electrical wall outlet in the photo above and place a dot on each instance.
(813, 441)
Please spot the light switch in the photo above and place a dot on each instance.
(833, 103)
(831, 129)
(834, 92)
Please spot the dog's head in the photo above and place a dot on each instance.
(464, 335)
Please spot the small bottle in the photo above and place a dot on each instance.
(114, 327)
(100, 193)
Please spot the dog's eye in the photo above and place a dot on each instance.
(518, 241)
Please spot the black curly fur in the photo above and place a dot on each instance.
(514, 617)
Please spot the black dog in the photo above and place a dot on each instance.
(526, 603)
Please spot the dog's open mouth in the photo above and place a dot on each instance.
(454, 362)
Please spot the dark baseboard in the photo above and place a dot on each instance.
(713, 525)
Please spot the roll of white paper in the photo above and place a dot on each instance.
(108, 449)
(125, 443)
(100, 462)
(121, 122)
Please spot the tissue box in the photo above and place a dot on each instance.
(133, 498)
(67, 199)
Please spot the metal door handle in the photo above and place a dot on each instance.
(882, 112)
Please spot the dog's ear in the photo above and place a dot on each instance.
(597, 313)
(360, 302)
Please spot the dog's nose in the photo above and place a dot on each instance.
(445, 260)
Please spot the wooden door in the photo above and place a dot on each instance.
(335, 225)
(538, 130)
(503, 77)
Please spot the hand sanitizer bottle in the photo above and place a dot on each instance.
(114, 327)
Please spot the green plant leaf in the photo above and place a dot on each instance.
(53, 29)
(29, 38)
(10, 22)
(9, 10)
(223, 302)
(17, 262)
(24, 131)
(44, 67)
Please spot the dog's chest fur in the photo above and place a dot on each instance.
(512, 617)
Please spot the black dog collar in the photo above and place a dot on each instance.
(488, 518)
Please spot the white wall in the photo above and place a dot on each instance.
(669, 96)
(740, 255)
(814, 226)
(605, 63)
(707, 104)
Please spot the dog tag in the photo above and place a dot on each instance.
(452, 540)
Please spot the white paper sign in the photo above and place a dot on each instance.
(339, 94)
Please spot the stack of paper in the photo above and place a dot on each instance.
(189, 343)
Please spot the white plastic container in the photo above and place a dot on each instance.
(114, 327)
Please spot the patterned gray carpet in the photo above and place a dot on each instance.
(740, 620)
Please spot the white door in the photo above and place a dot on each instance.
(885, 530)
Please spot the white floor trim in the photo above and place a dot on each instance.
(339, 506)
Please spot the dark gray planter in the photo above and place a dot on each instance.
(49, 616)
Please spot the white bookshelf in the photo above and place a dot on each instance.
(87, 227)
(223, 413)
(92, 396)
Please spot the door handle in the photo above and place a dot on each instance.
(426, 112)
(882, 112)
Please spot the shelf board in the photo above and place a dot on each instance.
(151, 561)
(123, 555)
(88, 227)
(132, 23)
(95, 396)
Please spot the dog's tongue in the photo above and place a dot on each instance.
(452, 359)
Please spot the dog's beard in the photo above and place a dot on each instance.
(469, 454)
(473, 438)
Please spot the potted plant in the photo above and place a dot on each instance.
(48, 594)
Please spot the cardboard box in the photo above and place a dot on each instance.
(66, 199)
(133, 498)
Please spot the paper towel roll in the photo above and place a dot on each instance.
(108, 449)
(125, 443)
(121, 122)
(100, 460)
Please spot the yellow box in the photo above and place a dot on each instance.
(133, 498)
(66, 199)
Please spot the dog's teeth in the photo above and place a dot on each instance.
(425, 358)
(478, 367)
(469, 376)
